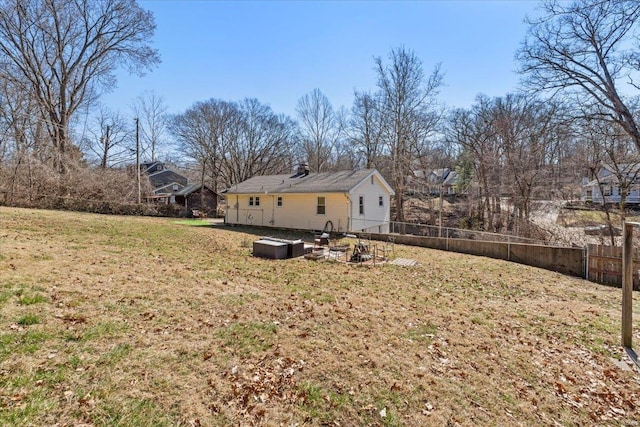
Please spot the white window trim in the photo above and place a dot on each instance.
(323, 205)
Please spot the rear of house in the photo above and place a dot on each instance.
(199, 199)
(331, 201)
(165, 182)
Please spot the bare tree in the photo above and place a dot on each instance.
(512, 140)
(20, 141)
(65, 52)
(109, 139)
(586, 48)
(202, 131)
(566, 156)
(407, 101)
(319, 128)
(346, 155)
(151, 109)
(474, 131)
(366, 128)
(524, 128)
(259, 145)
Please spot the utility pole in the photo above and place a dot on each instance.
(105, 148)
(138, 159)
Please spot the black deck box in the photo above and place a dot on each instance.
(295, 249)
(270, 249)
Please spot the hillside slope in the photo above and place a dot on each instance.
(141, 321)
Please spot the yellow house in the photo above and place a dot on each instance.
(353, 200)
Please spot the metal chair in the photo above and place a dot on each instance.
(388, 248)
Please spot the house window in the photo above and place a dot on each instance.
(372, 183)
(361, 204)
(175, 187)
(380, 201)
(257, 201)
(279, 202)
(321, 206)
(251, 201)
(607, 190)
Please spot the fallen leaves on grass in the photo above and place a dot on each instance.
(266, 382)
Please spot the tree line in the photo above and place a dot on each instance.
(577, 110)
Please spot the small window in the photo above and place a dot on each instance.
(321, 206)
(372, 183)
(380, 200)
(279, 202)
(361, 205)
(250, 200)
(257, 201)
(175, 187)
(607, 190)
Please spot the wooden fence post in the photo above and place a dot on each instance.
(627, 283)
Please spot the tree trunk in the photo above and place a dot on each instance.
(202, 187)
(399, 206)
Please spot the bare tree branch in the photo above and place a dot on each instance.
(65, 52)
(586, 48)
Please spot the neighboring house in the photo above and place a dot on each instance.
(165, 182)
(419, 176)
(431, 181)
(449, 183)
(416, 182)
(195, 197)
(608, 179)
(437, 176)
(338, 201)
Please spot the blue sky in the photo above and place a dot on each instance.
(278, 51)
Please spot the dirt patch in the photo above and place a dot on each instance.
(426, 210)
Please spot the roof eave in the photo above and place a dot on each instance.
(384, 182)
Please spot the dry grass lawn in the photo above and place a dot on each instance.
(121, 321)
(586, 218)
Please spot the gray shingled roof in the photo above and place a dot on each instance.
(630, 171)
(325, 182)
(165, 177)
(451, 178)
(188, 190)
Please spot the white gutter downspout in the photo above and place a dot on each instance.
(348, 212)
